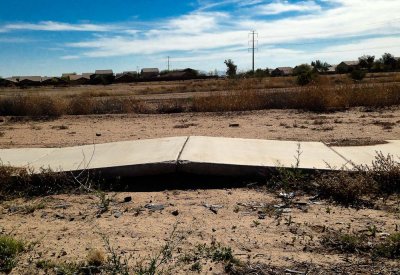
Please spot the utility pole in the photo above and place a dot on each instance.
(253, 47)
(168, 63)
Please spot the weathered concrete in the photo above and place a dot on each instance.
(366, 154)
(234, 156)
(23, 157)
(130, 158)
(195, 155)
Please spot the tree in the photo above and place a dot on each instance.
(389, 61)
(320, 66)
(231, 68)
(366, 61)
(305, 74)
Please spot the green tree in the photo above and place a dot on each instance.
(320, 66)
(389, 61)
(231, 68)
(366, 61)
(305, 74)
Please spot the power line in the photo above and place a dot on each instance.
(253, 47)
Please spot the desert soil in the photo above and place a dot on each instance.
(355, 124)
(67, 227)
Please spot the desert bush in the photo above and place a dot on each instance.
(345, 187)
(345, 243)
(9, 249)
(385, 171)
(358, 74)
(390, 248)
(21, 182)
(81, 105)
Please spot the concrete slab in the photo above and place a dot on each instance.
(130, 158)
(23, 157)
(234, 156)
(366, 154)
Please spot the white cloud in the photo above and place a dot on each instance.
(56, 26)
(280, 6)
(70, 57)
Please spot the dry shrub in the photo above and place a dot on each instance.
(345, 187)
(81, 105)
(236, 101)
(22, 182)
(35, 105)
(96, 258)
(385, 171)
(170, 107)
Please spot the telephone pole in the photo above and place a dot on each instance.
(168, 63)
(253, 47)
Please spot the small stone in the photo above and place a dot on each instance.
(98, 134)
(61, 217)
(128, 199)
(175, 212)
(154, 207)
(234, 125)
(117, 214)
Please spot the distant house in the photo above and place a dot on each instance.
(46, 80)
(149, 72)
(79, 79)
(104, 72)
(87, 75)
(180, 74)
(29, 80)
(331, 69)
(13, 79)
(347, 66)
(67, 75)
(7, 82)
(282, 71)
(126, 77)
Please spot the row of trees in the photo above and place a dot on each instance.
(306, 72)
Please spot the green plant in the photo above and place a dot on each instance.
(390, 248)
(358, 74)
(196, 267)
(231, 68)
(347, 243)
(9, 250)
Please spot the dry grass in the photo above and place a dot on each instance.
(224, 95)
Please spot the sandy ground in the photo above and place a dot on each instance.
(68, 226)
(357, 124)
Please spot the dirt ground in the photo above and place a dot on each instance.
(66, 227)
(358, 124)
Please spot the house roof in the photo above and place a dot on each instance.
(77, 77)
(12, 79)
(31, 78)
(67, 74)
(87, 74)
(332, 68)
(286, 70)
(351, 63)
(150, 70)
(104, 72)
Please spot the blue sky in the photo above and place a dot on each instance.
(49, 37)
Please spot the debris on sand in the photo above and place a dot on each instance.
(213, 207)
(154, 207)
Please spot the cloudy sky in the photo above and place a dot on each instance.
(48, 37)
